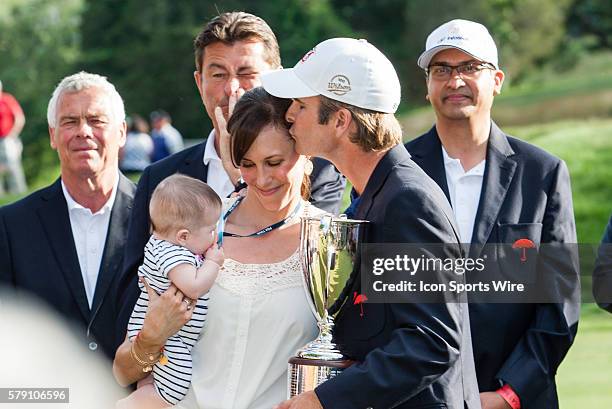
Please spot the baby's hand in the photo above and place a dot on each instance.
(215, 253)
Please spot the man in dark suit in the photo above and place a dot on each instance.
(231, 52)
(602, 275)
(64, 243)
(409, 355)
(501, 190)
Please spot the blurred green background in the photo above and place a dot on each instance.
(557, 56)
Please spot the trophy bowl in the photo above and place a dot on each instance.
(329, 253)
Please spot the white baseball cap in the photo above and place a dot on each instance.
(467, 36)
(343, 69)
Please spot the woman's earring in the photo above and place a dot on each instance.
(308, 167)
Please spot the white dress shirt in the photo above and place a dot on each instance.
(217, 177)
(464, 189)
(89, 232)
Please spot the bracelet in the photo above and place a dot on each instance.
(508, 394)
(147, 366)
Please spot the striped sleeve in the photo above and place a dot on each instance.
(172, 257)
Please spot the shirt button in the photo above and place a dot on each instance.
(93, 346)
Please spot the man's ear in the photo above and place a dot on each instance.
(52, 138)
(123, 137)
(343, 119)
(499, 81)
(197, 76)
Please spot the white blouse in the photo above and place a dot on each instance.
(258, 316)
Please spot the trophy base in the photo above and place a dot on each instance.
(306, 374)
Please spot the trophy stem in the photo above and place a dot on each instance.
(326, 325)
(322, 348)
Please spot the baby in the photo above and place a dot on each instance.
(184, 213)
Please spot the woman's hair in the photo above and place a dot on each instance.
(256, 110)
(182, 202)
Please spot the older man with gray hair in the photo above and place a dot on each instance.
(64, 243)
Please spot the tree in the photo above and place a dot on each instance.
(145, 47)
(527, 32)
(39, 46)
(591, 17)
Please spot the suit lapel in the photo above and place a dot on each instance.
(54, 218)
(428, 155)
(499, 171)
(115, 241)
(193, 165)
(393, 157)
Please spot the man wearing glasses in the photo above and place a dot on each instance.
(501, 190)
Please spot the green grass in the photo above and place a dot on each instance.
(584, 378)
(589, 75)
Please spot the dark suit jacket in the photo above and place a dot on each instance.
(602, 275)
(525, 193)
(411, 355)
(38, 255)
(327, 188)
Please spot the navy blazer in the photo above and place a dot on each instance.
(38, 255)
(327, 187)
(602, 274)
(525, 193)
(411, 355)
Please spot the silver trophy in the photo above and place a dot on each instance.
(329, 250)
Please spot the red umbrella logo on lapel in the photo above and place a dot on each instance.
(359, 299)
(523, 244)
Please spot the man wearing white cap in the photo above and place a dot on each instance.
(502, 190)
(345, 94)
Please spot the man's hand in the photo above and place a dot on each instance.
(224, 136)
(306, 400)
(493, 400)
(166, 314)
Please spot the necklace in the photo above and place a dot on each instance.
(265, 230)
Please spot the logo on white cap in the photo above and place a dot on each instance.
(339, 85)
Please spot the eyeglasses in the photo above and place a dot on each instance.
(444, 72)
